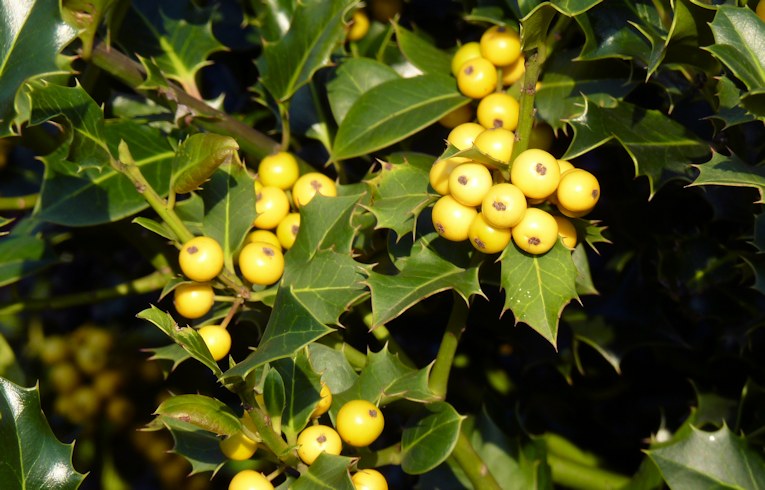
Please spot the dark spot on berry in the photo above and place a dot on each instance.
(268, 251)
(499, 206)
(469, 70)
(534, 241)
(462, 180)
(192, 250)
(316, 185)
(295, 229)
(373, 413)
(479, 243)
(440, 228)
(501, 29)
(258, 196)
(321, 439)
(498, 123)
(540, 168)
(595, 193)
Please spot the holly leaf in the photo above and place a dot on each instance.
(274, 18)
(538, 287)
(229, 199)
(86, 16)
(421, 52)
(430, 439)
(32, 34)
(327, 472)
(173, 353)
(424, 274)
(182, 32)
(393, 111)
(730, 110)
(659, 146)
(316, 28)
(610, 32)
(302, 385)
(739, 43)
(333, 366)
(198, 157)
(200, 447)
(201, 411)
(718, 459)
(730, 171)
(355, 77)
(22, 256)
(400, 191)
(28, 448)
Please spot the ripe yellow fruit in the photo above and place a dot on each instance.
(201, 259)
(316, 439)
(278, 170)
(567, 231)
(477, 78)
(500, 45)
(193, 299)
(497, 143)
(250, 480)
(261, 263)
(578, 191)
(439, 174)
(218, 340)
(238, 447)
(359, 422)
(498, 110)
(514, 71)
(487, 238)
(537, 232)
(359, 26)
(369, 479)
(271, 206)
(460, 115)
(469, 183)
(466, 52)
(288, 229)
(324, 403)
(452, 219)
(760, 10)
(307, 185)
(263, 236)
(503, 206)
(536, 173)
(463, 136)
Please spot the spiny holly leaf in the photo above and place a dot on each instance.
(538, 287)
(32, 33)
(535, 25)
(186, 337)
(522, 8)
(730, 171)
(718, 459)
(317, 26)
(328, 472)
(473, 153)
(730, 110)
(31, 455)
(424, 274)
(181, 31)
(689, 30)
(201, 448)
(421, 53)
(393, 111)
(173, 353)
(566, 82)
(385, 379)
(333, 366)
(291, 327)
(197, 158)
(659, 147)
(86, 16)
(229, 199)
(355, 77)
(428, 441)
(584, 284)
(22, 256)
(610, 32)
(400, 190)
(302, 386)
(740, 44)
(201, 411)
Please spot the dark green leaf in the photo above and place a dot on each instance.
(28, 448)
(730, 171)
(584, 284)
(229, 198)
(328, 472)
(689, 30)
(86, 16)
(535, 25)
(274, 18)
(274, 397)
(333, 366)
(201, 411)
(400, 190)
(199, 447)
(659, 146)
(730, 110)
(395, 110)
(186, 337)
(538, 287)
(173, 353)
(430, 439)
(317, 26)
(22, 256)
(355, 77)
(574, 7)
(610, 32)
(302, 386)
(422, 53)
(718, 459)
(198, 157)
(739, 39)
(32, 33)
(156, 227)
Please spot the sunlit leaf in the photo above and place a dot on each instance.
(197, 158)
(610, 32)
(740, 44)
(333, 366)
(730, 110)
(302, 386)
(730, 171)
(86, 17)
(422, 53)
(327, 472)
(355, 77)
(201, 411)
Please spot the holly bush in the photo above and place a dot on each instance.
(238, 226)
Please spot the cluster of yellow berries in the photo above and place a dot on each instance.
(359, 423)
(280, 191)
(480, 206)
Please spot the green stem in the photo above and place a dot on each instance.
(390, 455)
(271, 439)
(470, 461)
(145, 284)
(355, 357)
(18, 203)
(534, 63)
(382, 334)
(131, 73)
(284, 115)
(439, 375)
(581, 477)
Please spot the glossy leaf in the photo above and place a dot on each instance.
(522, 8)
(32, 33)
(535, 25)
(333, 366)
(173, 353)
(22, 256)
(201, 411)
(659, 146)
(538, 287)
(424, 274)
(428, 441)
(422, 53)
(229, 199)
(610, 32)
(689, 30)
(730, 110)
(181, 31)
(739, 44)
(274, 398)
(400, 190)
(730, 171)
(185, 336)
(201, 448)
(302, 386)
(198, 157)
(274, 18)
(317, 26)
(86, 16)
(355, 77)
(328, 472)
(718, 459)
(395, 110)
(28, 448)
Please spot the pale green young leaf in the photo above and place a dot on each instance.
(197, 158)
(201, 411)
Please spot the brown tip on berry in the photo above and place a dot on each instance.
(499, 206)
(269, 251)
(321, 439)
(479, 243)
(469, 70)
(373, 413)
(595, 193)
(192, 249)
(498, 123)
(534, 241)
(316, 185)
(540, 168)
(440, 228)
(295, 229)
(462, 180)
(258, 196)
(501, 29)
